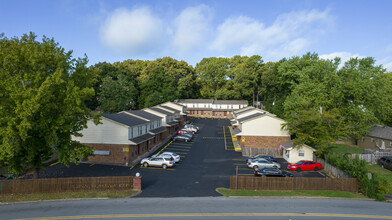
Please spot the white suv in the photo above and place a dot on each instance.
(163, 162)
(176, 157)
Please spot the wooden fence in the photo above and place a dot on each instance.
(55, 185)
(334, 171)
(251, 152)
(373, 157)
(296, 183)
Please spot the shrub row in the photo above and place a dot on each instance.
(370, 184)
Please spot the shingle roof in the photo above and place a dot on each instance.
(196, 101)
(157, 130)
(231, 102)
(170, 109)
(247, 110)
(288, 144)
(125, 119)
(146, 115)
(256, 115)
(141, 139)
(161, 111)
(172, 123)
(243, 109)
(384, 132)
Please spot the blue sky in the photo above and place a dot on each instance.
(112, 30)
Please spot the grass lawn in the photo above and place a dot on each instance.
(387, 174)
(299, 193)
(66, 195)
(343, 149)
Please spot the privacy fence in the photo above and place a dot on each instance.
(373, 157)
(297, 183)
(56, 185)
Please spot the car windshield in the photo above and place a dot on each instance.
(300, 163)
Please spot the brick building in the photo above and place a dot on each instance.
(258, 129)
(124, 136)
(212, 108)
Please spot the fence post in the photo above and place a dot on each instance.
(137, 183)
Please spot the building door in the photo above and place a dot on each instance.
(202, 112)
(224, 113)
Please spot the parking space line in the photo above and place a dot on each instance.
(155, 168)
(54, 163)
(239, 164)
(180, 146)
(92, 164)
(180, 153)
(131, 167)
(224, 134)
(178, 149)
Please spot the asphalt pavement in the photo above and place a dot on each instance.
(206, 163)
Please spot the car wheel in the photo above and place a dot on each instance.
(316, 169)
(164, 166)
(145, 164)
(298, 169)
(255, 167)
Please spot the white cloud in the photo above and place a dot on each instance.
(132, 32)
(344, 56)
(192, 27)
(289, 35)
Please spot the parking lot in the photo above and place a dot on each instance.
(206, 163)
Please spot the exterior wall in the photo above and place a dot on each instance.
(262, 141)
(264, 126)
(117, 153)
(292, 155)
(374, 143)
(106, 133)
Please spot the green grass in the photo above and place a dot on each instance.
(66, 195)
(289, 193)
(343, 149)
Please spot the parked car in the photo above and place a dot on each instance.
(386, 162)
(190, 129)
(176, 157)
(259, 163)
(305, 165)
(181, 137)
(163, 162)
(261, 157)
(183, 131)
(267, 171)
(189, 125)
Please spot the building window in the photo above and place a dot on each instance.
(301, 153)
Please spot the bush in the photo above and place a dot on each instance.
(370, 184)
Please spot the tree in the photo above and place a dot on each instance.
(117, 94)
(42, 95)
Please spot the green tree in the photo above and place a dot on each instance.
(117, 94)
(42, 95)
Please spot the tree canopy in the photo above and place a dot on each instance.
(42, 95)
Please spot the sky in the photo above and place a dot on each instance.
(114, 31)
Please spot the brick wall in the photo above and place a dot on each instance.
(117, 154)
(262, 141)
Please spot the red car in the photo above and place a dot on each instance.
(184, 132)
(305, 165)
